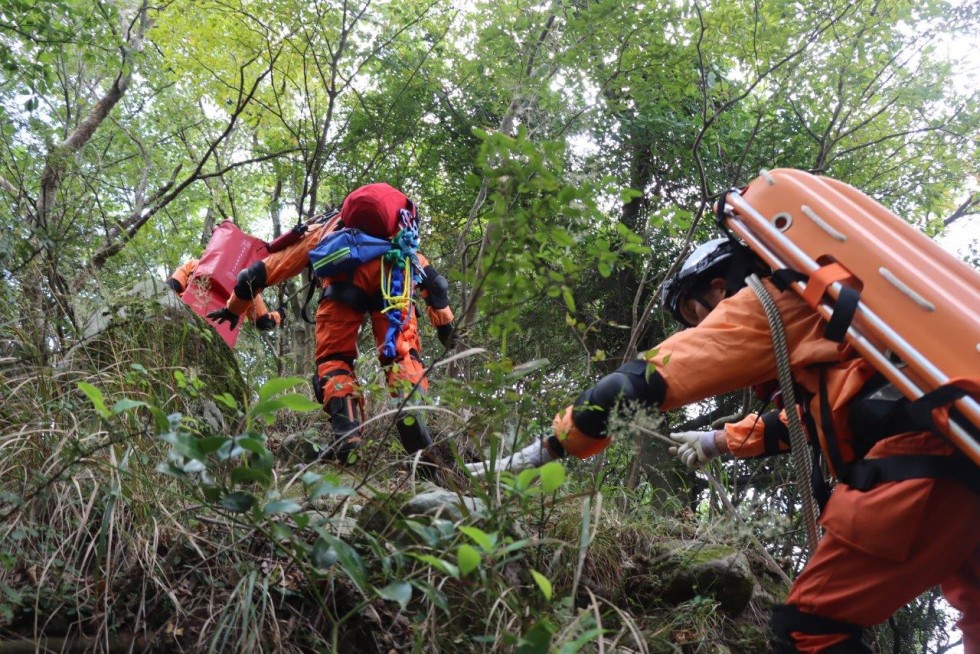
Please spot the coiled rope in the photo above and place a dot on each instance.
(797, 437)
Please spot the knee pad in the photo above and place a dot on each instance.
(630, 382)
(250, 281)
(787, 619)
(336, 379)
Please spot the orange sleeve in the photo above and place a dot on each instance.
(733, 348)
(256, 308)
(758, 435)
(439, 317)
(183, 274)
(282, 265)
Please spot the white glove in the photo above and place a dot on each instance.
(695, 448)
(534, 455)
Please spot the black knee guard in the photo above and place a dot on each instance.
(787, 619)
(251, 281)
(630, 382)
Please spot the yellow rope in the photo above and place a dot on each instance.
(399, 302)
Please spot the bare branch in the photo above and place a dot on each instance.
(971, 207)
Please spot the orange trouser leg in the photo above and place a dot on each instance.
(337, 325)
(962, 590)
(859, 575)
(404, 373)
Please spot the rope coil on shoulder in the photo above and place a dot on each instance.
(797, 437)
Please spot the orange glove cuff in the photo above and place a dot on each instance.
(577, 443)
(237, 305)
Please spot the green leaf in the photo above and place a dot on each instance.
(294, 402)
(278, 385)
(324, 554)
(444, 567)
(160, 420)
(576, 645)
(211, 443)
(397, 591)
(126, 404)
(525, 477)
(227, 400)
(538, 638)
(543, 583)
(281, 506)
(350, 561)
(483, 539)
(468, 559)
(237, 502)
(327, 487)
(253, 445)
(244, 474)
(95, 397)
(552, 476)
(566, 295)
(194, 466)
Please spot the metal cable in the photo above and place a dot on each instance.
(797, 437)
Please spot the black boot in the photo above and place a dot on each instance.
(413, 432)
(346, 430)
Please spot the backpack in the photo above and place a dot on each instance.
(342, 251)
(376, 210)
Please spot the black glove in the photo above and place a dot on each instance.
(221, 315)
(447, 335)
(175, 285)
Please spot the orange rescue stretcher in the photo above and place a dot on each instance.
(916, 314)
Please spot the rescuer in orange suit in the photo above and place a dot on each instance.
(257, 312)
(343, 302)
(905, 514)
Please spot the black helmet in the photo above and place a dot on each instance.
(719, 257)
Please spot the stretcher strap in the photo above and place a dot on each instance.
(935, 405)
(816, 288)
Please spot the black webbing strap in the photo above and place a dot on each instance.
(821, 488)
(310, 285)
(920, 411)
(783, 277)
(866, 473)
(787, 618)
(775, 432)
(830, 434)
(720, 210)
(352, 295)
(844, 308)
(333, 356)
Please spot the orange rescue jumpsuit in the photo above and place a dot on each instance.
(338, 322)
(882, 547)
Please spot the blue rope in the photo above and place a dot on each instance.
(400, 258)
